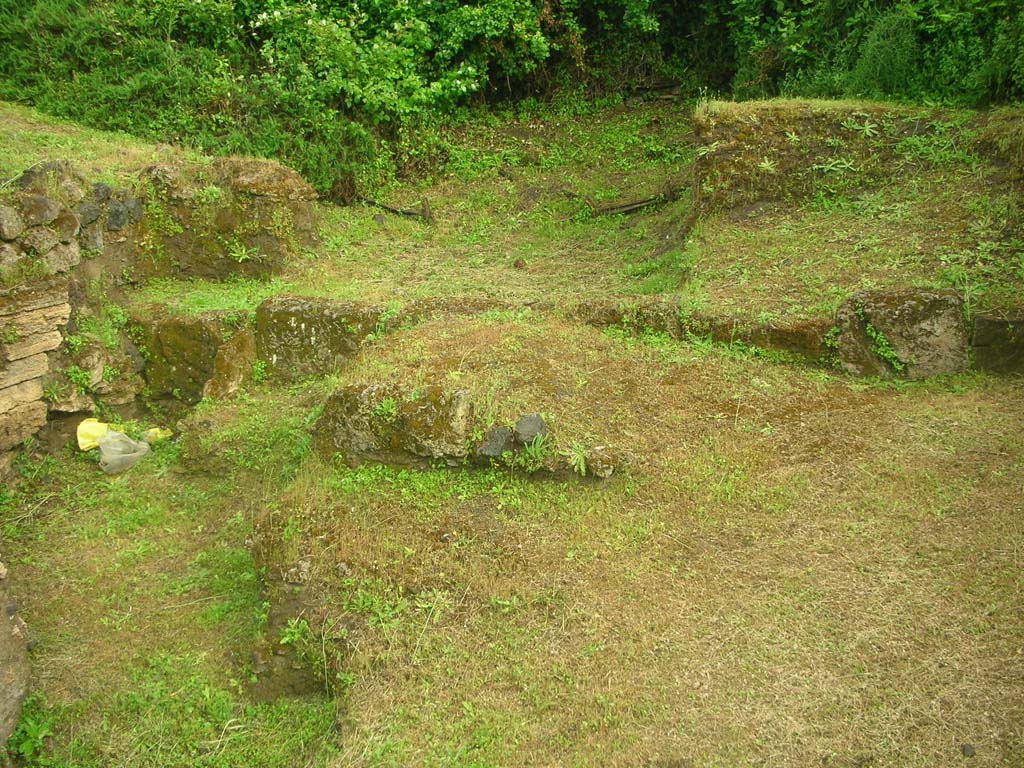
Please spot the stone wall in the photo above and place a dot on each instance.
(752, 152)
(31, 316)
(68, 246)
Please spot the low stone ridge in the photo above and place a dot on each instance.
(909, 333)
(299, 336)
(661, 315)
(382, 423)
(14, 667)
(752, 152)
(388, 425)
(30, 318)
(180, 353)
(998, 343)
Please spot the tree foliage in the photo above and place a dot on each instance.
(321, 84)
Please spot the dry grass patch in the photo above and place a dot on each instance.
(794, 572)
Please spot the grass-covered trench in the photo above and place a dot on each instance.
(791, 567)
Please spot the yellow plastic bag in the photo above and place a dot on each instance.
(155, 435)
(89, 432)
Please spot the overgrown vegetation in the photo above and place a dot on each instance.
(349, 92)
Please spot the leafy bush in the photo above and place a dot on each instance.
(344, 90)
(889, 58)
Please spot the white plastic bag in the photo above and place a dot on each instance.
(119, 452)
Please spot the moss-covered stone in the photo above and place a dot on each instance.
(909, 333)
(384, 424)
(179, 352)
(301, 336)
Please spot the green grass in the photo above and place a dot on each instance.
(784, 570)
(30, 137)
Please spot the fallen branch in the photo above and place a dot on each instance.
(424, 212)
(638, 205)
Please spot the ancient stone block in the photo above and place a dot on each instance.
(998, 343)
(20, 394)
(907, 333)
(11, 224)
(299, 336)
(383, 423)
(27, 297)
(21, 422)
(233, 365)
(180, 354)
(17, 371)
(31, 345)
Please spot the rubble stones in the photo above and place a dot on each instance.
(528, 428)
(11, 223)
(38, 209)
(38, 241)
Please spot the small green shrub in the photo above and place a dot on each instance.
(386, 410)
(889, 58)
(79, 378)
(259, 371)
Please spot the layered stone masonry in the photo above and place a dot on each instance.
(60, 234)
(31, 317)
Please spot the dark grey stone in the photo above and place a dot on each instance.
(998, 343)
(528, 427)
(967, 750)
(91, 237)
(11, 224)
(118, 216)
(133, 354)
(88, 213)
(101, 192)
(135, 209)
(495, 442)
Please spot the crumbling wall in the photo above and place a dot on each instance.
(68, 246)
(750, 152)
